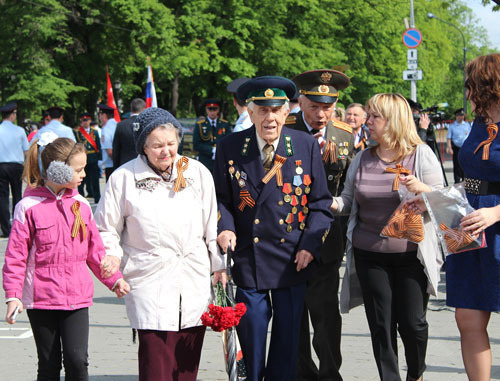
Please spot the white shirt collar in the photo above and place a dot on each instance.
(261, 143)
(312, 130)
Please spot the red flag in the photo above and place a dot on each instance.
(111, 98)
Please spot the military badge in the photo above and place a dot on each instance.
(269, 93)
(323, 89)
(326, 77)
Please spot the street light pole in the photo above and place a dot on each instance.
(433, 16)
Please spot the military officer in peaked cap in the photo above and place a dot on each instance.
(208, 131)
(89, 137)
(13, 147)
(318, 96)
(274, 212)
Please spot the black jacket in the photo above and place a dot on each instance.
(123, 142)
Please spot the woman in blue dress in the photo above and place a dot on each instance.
(473, 277)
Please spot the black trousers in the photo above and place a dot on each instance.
(458, 173)
(53, 329)
(394, 293)
(91, 181)
(10, 181)
(322, 305)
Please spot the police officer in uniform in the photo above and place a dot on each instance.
(89, 137)
(13, 147)
(318, 95)
(274, 212)
(208, 131)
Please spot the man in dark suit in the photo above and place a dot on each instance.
(208, 131)
(123, 142)
(318, 96)
(274, 212)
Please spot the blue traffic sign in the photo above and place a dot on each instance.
(412, 38)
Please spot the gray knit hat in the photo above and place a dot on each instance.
(147, 121)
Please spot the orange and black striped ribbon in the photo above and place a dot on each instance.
(180, 181)
(75, 208)
(398, 170)
(330, 154)
(246, 200)
(361, 144)
(492, 134)
(275, 170)
(455, 238)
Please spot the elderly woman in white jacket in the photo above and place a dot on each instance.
(158, 216)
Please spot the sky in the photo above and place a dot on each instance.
(488, 19)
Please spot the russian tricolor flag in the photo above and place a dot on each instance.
(150, 90)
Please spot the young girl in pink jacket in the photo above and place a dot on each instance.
(53, 240)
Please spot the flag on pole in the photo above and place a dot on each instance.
(150, 88)
(111, 98)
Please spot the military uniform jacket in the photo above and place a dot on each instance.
(93, 155)
(341, 134)
(205, 138)
(268, 233)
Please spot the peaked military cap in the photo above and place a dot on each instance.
(9, 107)
(85, 115)
(321, 85)
(267, 91)
(212, 102)
(460, 111)
(104, 107)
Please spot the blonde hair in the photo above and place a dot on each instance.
(61, 149)
(400, 130)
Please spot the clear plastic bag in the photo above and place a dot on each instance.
(404, 223)
(446, 208)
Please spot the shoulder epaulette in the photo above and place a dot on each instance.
(224, 120)
(202, 119)
(291, 119)
(342, 125)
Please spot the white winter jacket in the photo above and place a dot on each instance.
(166, 240)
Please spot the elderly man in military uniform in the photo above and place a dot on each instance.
(273, 202)
(13, 148)
(89, 137)
(318, 96)
(208, 131)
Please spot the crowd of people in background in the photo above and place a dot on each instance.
(296, 185)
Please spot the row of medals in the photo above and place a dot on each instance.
(241, 177)
(292, 199)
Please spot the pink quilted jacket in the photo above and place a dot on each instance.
(44, 266)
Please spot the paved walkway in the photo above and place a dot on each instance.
(113, 356)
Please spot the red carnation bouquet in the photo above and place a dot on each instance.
(222, 315)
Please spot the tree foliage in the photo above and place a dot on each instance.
(56, 52)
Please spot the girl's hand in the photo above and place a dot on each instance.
(477, 221)
(122, 288)
(11, 307)
(413, 184)
(220, 276)
(109, 265)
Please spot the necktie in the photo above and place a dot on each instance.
(268, 160)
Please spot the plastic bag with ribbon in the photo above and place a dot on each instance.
(446, 207)
(404, 223)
